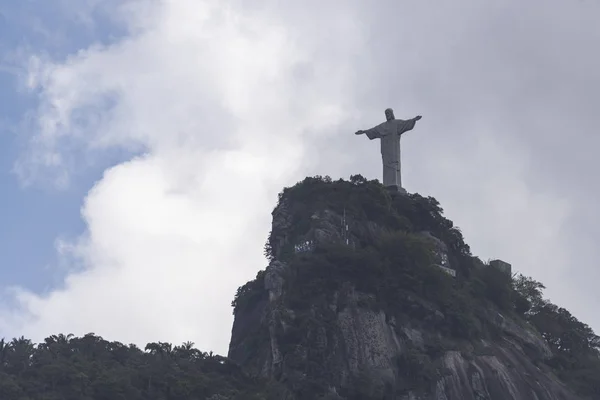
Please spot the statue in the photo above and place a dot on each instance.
(389, 132)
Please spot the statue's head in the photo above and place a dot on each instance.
(389, 114)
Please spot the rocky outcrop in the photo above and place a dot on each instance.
(362, 348)
(365, 352)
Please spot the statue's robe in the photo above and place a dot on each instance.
(389, 132)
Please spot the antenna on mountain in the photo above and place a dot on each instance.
(345, 228)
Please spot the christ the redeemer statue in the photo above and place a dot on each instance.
(389, 132)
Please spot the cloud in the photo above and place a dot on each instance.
(220, 104)
(223, 105)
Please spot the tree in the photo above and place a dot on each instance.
(531, 290)
(90, 368)
(358, 179)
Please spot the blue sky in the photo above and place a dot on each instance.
(34, 216)
(232, 101)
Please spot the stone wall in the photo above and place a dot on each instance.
(502, 266)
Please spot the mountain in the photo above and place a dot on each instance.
(367, 295)
(374, 296)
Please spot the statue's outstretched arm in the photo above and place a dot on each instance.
(372, 133)
(407, 125)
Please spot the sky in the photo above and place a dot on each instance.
(143, 144)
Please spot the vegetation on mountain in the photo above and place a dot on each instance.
(393, 269)
(64, 367)
(396, 268)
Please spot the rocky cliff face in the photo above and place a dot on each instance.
(331, 335)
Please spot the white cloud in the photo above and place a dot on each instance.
(229, 103)
(214, 98)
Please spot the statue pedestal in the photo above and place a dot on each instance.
(396, 190)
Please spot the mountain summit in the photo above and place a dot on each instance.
(370, 295)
